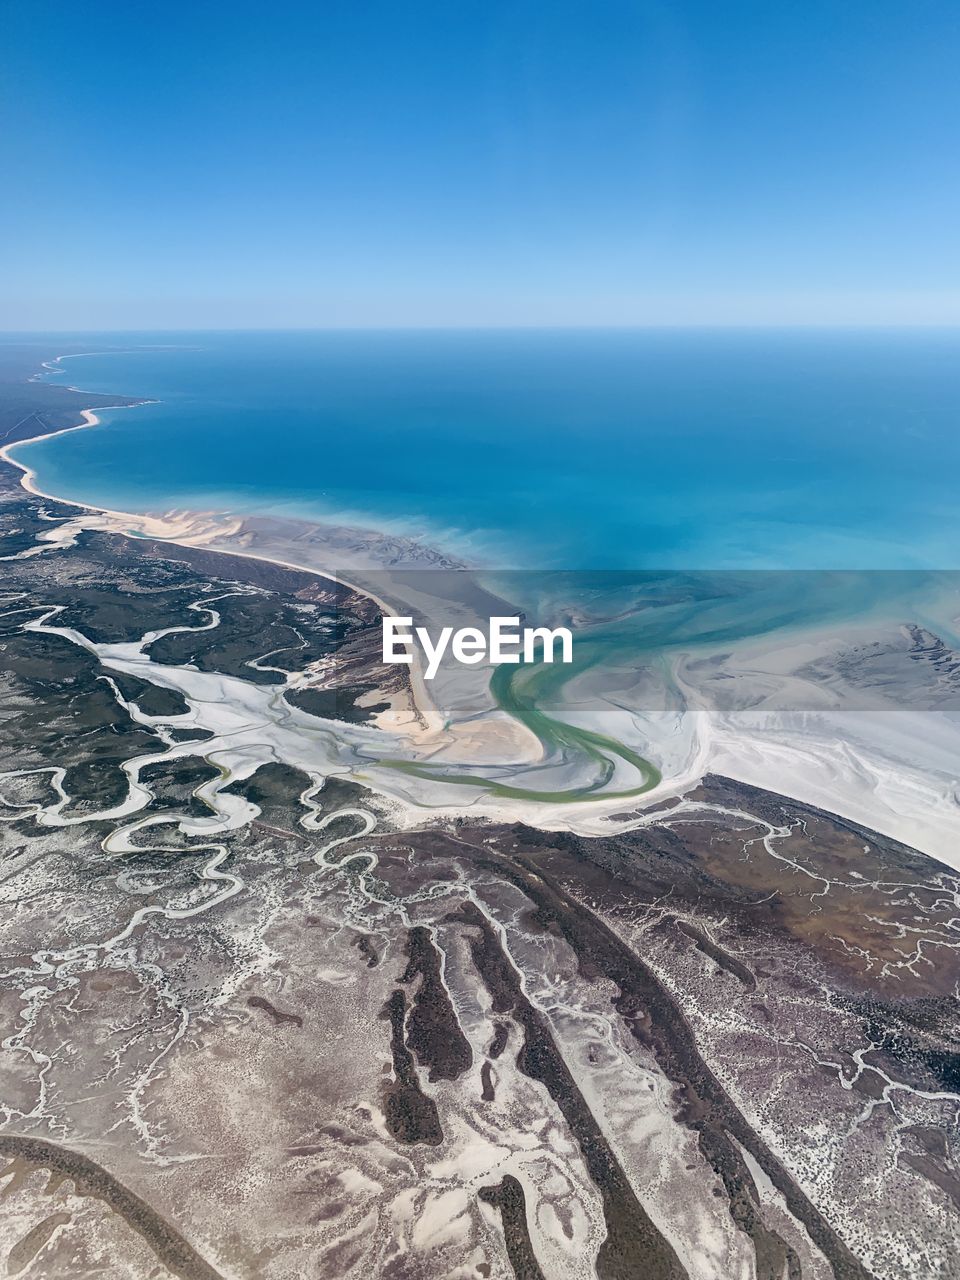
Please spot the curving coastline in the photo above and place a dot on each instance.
(461, 747)
(382, 556)
(388, 573)
(186, 529)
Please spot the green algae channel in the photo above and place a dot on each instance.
(516, 690)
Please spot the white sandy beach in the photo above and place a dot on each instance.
(884, 772)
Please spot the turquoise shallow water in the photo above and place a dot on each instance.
(561, 450)
(659, 492)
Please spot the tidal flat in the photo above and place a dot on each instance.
(269, 1006)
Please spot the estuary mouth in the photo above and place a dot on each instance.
(697, 672)
(571, 923)
(563, 746)
(480, 710)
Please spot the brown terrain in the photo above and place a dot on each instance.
(719, 1045)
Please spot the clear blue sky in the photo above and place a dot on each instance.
(359, 162)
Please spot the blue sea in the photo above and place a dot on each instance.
(544, 449)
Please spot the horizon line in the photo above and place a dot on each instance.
(710, 326)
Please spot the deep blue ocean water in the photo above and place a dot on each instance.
(550, 449)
